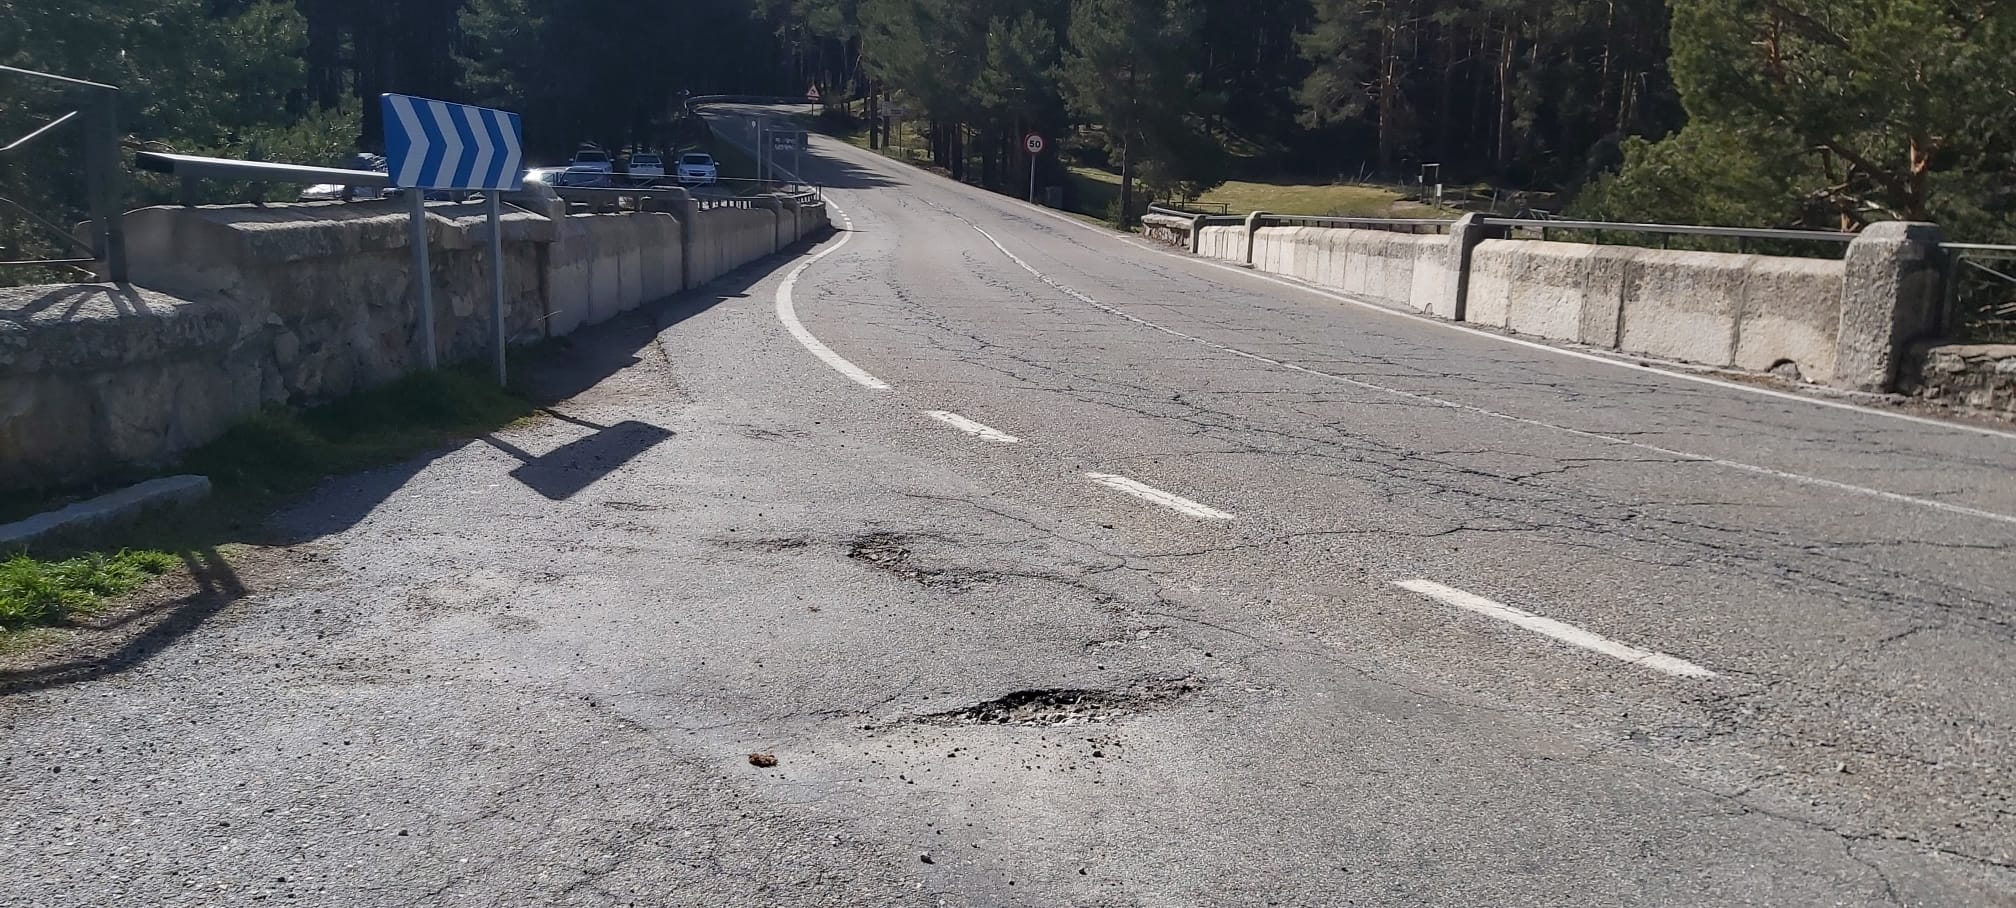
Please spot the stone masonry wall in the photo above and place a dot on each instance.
(1977, 376)
(249, 306)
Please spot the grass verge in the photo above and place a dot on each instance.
(37, 593)
(277, 453)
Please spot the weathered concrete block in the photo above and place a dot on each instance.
(1607, 274)
(1889, 297)
(1488, 296)
(1547, 288)
(1224, 243)
(1683, 305)
(124, 505)
(1791, 314)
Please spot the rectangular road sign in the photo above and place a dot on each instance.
(441, 145)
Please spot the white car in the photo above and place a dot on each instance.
(588, 157)
(645, 167)
(697, 170)
(586, 176)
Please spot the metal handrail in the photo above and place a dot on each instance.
(46, 127)
(183, 165)
(103, 177)
(1740, 233)
(1981, 250)
(1408, 224)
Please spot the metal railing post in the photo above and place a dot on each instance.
(494, 207)
(102, 182)
(423, 274)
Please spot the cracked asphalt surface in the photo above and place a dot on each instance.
(531, 670)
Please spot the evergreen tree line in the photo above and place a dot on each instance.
(1830, 113)
(1753, 112)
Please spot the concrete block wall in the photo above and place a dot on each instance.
(1227, 243)
(247, 306)
(1744, 311)
(1840, 322)
(1397, 268)
(601, 265)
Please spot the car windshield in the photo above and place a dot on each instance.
(696, 159)
(593, 156)
(643, 159)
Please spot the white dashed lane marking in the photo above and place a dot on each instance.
(1149, 493)
(1559, 630)
(972, 428)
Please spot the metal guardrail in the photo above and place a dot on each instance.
(1409, 225)
(98, 114)
(192, 170)
(1740, 234)
(1990, 310)
(1396, 225)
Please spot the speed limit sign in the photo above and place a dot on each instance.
(1034, 143)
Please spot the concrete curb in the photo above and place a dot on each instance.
(125, 504)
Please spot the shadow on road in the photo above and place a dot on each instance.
(547, 374)
(564, 472)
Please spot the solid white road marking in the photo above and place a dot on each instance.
(972, 428)
(1149, 493)
(1612, 362)
(1562, 631)
(1799, 478)
(787, 312)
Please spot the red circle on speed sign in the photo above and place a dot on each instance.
(1034, 143)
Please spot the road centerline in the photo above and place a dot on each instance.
(1559, 630)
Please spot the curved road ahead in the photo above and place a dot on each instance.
(1059, 569)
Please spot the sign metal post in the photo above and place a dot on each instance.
(441, 145)
(1034, 144)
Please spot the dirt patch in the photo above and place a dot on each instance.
(1054, 707)
(890, 552)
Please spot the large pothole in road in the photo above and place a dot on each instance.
(890, 552)
(1054, 707)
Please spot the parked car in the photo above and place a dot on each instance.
(645, 167)
(697, 170)
(584, 175)
(592, 158)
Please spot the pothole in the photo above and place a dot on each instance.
(1055, 707)
(890, 552)
(762, 543)
(769, 434)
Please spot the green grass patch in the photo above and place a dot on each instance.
(1315, 199)
(277, 453)
(36, 593)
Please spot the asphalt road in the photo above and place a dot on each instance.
(1056, 569)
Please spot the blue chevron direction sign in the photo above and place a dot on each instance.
(439, 145)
